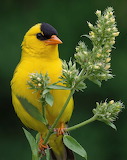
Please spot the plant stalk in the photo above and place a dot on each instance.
(58, 117)
(44, 114)
(35, 157)
(61, 112)
(82, 123)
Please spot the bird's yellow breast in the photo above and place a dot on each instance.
(29, 65)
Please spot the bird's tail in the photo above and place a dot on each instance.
(58, 150)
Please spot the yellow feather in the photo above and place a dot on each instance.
(39, 57)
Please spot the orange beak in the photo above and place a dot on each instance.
(53, 40)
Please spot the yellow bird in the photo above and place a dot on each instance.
(40, 54)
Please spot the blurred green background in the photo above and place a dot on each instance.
(69, 18)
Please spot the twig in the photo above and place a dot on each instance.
(82, 123)
(58, 118)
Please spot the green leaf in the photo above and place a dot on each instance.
(85, 35)
(81, 86)
(111, 125)
(45, 91)
(33, 144)
(58, 87)
(49, 99)
(47, 154)
(31, 110)
(95, 81)
(72, 144)
(38, 137)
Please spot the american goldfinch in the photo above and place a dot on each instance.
(40, 54)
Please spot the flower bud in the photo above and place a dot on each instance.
(107, 66)
(111, 102)
(98, 55)
(112, 20)
(90, 25)
(91, 33)
(106, 17)
(111, 13)
(109, 29)
(108, 59)
(96, 67)
(99, 64)
(112, 42)
(109, 50)
(108, 111)
(38, 78)
(116, 34)
(39, 84)
(98, 12)
(114, 29)
(108, 22)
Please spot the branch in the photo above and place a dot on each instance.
(58, 118)
(94, 118)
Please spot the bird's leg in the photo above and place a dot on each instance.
(61, 129)
(42, 147)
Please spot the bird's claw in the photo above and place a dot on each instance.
(41, 146)
(61, 130)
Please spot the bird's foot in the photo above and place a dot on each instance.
(61, 130)
(41, 146)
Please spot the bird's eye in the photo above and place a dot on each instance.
(41, 37)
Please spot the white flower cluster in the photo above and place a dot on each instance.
(38, 81)
(108, 111)
(70, 73)
(105, 30)
(71, 76)
(96, 62)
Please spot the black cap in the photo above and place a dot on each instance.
(48, 30)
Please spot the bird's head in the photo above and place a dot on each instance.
(41, 40)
